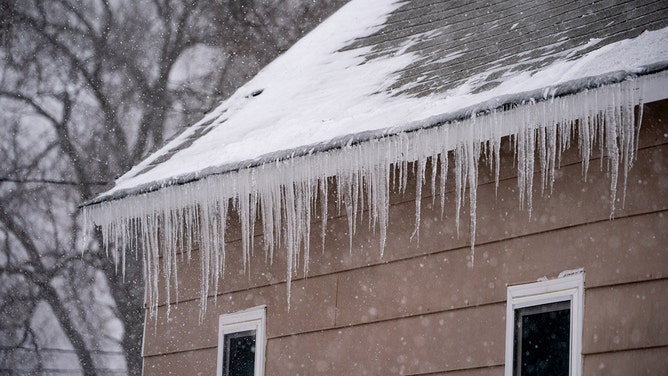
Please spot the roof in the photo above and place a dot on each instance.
(379, 67)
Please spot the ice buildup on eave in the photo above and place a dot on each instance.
(283, 194)
(270, 150)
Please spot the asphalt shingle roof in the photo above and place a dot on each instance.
(457, 40)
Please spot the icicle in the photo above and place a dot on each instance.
(267, 224)
(323, 208)
(612, 150)
(460, 182)
(421, 165)
(444, 177)
(530, 152)
(383, 204)
(354, 194)
(434, 170)
(347, 199)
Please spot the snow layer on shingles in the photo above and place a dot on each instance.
(315, 93)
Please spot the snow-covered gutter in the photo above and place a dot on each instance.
(490, 106)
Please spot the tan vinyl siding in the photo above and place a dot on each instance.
(200, 362)
(422, 310)
(642, 362)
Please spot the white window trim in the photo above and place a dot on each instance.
(249, 319)
(568, 287)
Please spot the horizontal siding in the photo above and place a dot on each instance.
(195, 363)
(313, 307)
(441, 341)
(641, 362)
(626, 317)
(472, 337)
(638, 362)
(434, 283)
(480, 371)
(422, 308)
(440, 282)
(469, 339)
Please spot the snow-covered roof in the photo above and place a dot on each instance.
(378, 67)
(384, 83)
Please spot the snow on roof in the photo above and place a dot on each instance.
(378, 85)
(377, 67)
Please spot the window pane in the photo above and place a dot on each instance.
(542, 340)
(239, 354)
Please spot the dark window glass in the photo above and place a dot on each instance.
(239, 354)
(542, 340)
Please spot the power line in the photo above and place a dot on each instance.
(59, 351)
(50, 181)
(107, 371)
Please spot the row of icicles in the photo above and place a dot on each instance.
(286, 195)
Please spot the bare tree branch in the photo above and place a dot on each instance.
(87, 88)
(42, 279)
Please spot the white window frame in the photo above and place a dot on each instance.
(249, 319)
(568, 287)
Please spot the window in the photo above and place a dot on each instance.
(241, 343)
(544, 327)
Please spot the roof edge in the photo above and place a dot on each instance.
(498, 104)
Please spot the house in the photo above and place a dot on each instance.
(419, 188)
